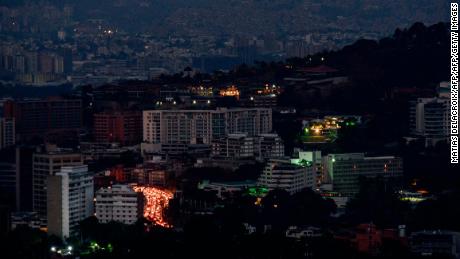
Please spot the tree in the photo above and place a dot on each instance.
(377, 203)
(309, 208)
(276, 208)
(27, 243)
(439, 213)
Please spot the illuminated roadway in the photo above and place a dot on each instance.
(156, 200)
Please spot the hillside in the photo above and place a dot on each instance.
(254, 17)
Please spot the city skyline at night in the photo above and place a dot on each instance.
(229, 129)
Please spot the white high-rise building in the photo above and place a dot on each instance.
(44, 164)
(70, 195)
(282, 174)
(430, 118)
(202, 126)
(118, 203)
(310, 158)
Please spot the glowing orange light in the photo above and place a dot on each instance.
(422, 191)
(230, 91)
(157, 200)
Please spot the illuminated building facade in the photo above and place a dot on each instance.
(326, 129)
(265, 97)
(282, 174)
(70, 195)
(310, 158)
(344, 170)
(268, 90)
(202, 126)
(230, 91)
(202, 90)
(118, 203)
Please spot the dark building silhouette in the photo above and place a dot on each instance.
(124, 127)
(24, 163)
(37, 118)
